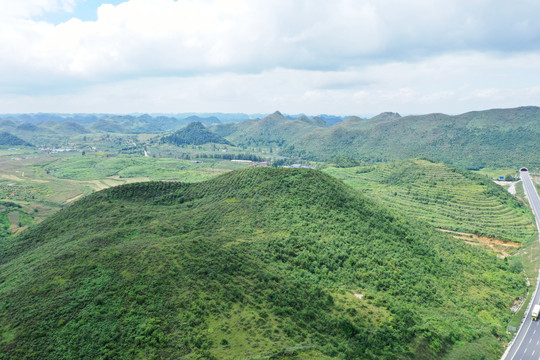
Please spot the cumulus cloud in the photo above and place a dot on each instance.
(433, 85)
(348, 50)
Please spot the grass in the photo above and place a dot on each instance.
(100, 167)
(496, 173)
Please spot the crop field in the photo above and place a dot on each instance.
(117, 168)
(445, 197)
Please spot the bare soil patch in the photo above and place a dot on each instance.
(501, 247)
(72, 199)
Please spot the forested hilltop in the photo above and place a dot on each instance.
(496, 138)
(261, 262)
(194, 134)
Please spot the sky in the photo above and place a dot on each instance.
(341, 57)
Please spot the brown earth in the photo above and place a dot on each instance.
(501, 247)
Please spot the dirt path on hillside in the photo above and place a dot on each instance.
(501, 247)
(72, 199)
(509, 185)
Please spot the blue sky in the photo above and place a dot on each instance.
(340, 57)
(84, 10)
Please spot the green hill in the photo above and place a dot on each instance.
(274, 129)
(446, 197)
(108, 125)
(71, 128)
(12, 140)
(194, 133)
(28, 127)
(7, 125)
(256, 263)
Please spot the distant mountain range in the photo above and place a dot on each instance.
(135, 122)
(498, 137)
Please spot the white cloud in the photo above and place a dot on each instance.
(344, 56)
(434, 85)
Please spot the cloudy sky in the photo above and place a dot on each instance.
(340, 57)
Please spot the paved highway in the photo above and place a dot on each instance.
(526, 345)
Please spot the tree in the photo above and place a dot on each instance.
(509, 178)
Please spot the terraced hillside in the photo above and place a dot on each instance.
(259, 263)
(446, 197)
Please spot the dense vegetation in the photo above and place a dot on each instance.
(472, 140)
(274, 130)
(258, 262)
(12, 140)
(501, 137)
(445, 196)
(194, 133)
(12, 215)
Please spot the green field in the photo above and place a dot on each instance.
(100, 167)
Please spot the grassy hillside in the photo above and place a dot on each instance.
(11, 140)
(256, 263)
(446, 197)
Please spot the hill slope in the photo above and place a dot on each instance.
(10, 139)
(256, 262)
(194, 133)
(274, 129)
(444, 196)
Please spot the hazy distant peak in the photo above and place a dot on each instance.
(8, 123)
(27, 127)
(10, 139)
(195, 133)
(49, 123)
(313, 121)
(207, 121)
(386, 116)
(351, 120)
(276, 116)
(195, 125)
